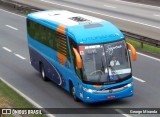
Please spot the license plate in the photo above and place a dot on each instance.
(111, 96)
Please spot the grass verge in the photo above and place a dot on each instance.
(10, 99)
(146, 47)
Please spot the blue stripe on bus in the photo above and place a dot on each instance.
(50, 70)
(49, 60)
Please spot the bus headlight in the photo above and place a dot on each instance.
(128, 85)
(89, 90)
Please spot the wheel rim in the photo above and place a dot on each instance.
(73, 92)
(43, 74)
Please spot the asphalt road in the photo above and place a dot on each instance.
(149, 2)
(16, 70)
(131, 17)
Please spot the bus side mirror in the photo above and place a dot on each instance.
(78, 58)
(133, 51)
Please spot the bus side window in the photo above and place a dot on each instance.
(31, 28)
(77, 70)
(50, 38)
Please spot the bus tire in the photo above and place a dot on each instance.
(42, 70)
(72, 91)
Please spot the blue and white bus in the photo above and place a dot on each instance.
(85, 55)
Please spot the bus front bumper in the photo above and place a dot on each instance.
(90, 97)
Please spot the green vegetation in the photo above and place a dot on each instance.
(146, 47)
(10, 99)
(25, 12)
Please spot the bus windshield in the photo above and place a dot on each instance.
(105, 63)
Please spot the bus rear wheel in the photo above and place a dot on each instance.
(42, 70)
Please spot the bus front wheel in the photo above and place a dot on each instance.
(73, 93)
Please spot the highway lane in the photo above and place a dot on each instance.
(21, 75)
(12, 37)
(139, 19)
(117, 9)
(146, 2)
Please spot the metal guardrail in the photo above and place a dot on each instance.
(18, 6)
(23, 7)
(142, 39)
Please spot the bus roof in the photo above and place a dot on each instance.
(83, 29)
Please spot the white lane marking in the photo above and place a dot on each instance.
(100, 14)
(25, 96)
(110, 6)
(126, 115)
(21, 57)
(139, 4)
(121, 112)
(137, 52)
(13, 13)
(156, 15)
(5, 48)
(139, 79)
(148, 56)
(11, 27)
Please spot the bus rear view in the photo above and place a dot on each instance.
(86, 56)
